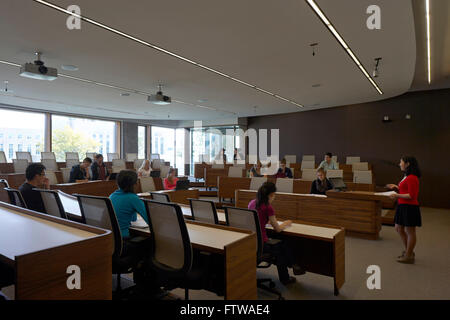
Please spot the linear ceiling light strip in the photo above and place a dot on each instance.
(160, 49)
(427, 8)
(342, 42)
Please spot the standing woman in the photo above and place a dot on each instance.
(407, 216)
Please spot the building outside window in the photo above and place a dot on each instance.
(141, 142)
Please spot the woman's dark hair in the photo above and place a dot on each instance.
(262, 196)
(33, 170)
(126, 179)
(413, 167)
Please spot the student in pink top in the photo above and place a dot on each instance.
(171, 181)
(266, 214)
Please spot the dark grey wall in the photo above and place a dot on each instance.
(358, 130)
(129, 138)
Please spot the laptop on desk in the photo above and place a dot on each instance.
(182, 185)
(338, 184)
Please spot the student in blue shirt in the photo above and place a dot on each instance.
(127, 205)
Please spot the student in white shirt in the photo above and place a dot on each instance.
(328, 163)
(145, 169)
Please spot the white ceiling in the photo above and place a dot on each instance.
(266, 43)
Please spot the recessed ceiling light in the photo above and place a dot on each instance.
(69, 67)
(202, 100)
(342, 42)
(316, 85)
(160, 49)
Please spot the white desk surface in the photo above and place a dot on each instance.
(291, 193)
(308, 230)
(208, 236)
(70, 203)
(21, 234)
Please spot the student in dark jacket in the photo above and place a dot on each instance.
(284, 171)
(321, 185)
(35, 178)
(80, 171)
(98, 169)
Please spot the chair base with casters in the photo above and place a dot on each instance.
(266, 260)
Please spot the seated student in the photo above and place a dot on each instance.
(328, 163)
(255, 171)
(35, 178)
(266, 214)
(283, 171)
(80, 171)
(145, 169)
(98, 169)
(321, 185)
(127, 205)
(171, 181)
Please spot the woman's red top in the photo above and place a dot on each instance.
(410, 184)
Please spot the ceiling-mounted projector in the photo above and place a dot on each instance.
(38, 71)
(159, 98)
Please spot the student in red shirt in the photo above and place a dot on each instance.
(407, 216)
(171, 181)
(266, 214)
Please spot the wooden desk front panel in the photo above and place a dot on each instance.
(15, 180)
(211, 176)
(6, 168)
(227, 186)
(94, 188)
(358, 217)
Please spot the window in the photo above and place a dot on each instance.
(19, 147)
(163, 142)
(1, 147)
(1, 135)
(38, 150)
(29, 148)
(10, 152)
(180, 154)
(74, 134)
(21, 124)
(28, 137)
(141, 142)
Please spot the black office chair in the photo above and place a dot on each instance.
(204, 211)
(3, 193)
(52, 203)
(248, 219)
(15, 198)
(160, 197)
(99, 212)
(172, 256)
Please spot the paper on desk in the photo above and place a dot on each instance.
(143, 194)
(387, 193)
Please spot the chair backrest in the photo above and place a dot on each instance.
(154, 156)
(119, 163)
(72, 156)
(137, 163)
(308, 164)
(91, 155)
(171, 246)
(362, 176)
(99, 212)
(285, 185)
(351, 160)
(15, 198)
(156, 163)
(290, 158)
(131, 156)
(51, 176)
(72, 162)
(24, 155)
(52, 203)
(112, 156)
(20, 165)
(309, 157)
(235, 172)
(217, 166)
(164, 171)
(360, 166)
(50, 164)
(309, 174)
(245, 219)
(160, 197)
(66, 174)
(3, 157)
(204, 211)
(3, 193)
(48, 156)
(147, 184)
(335, 173)
(257, 182)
